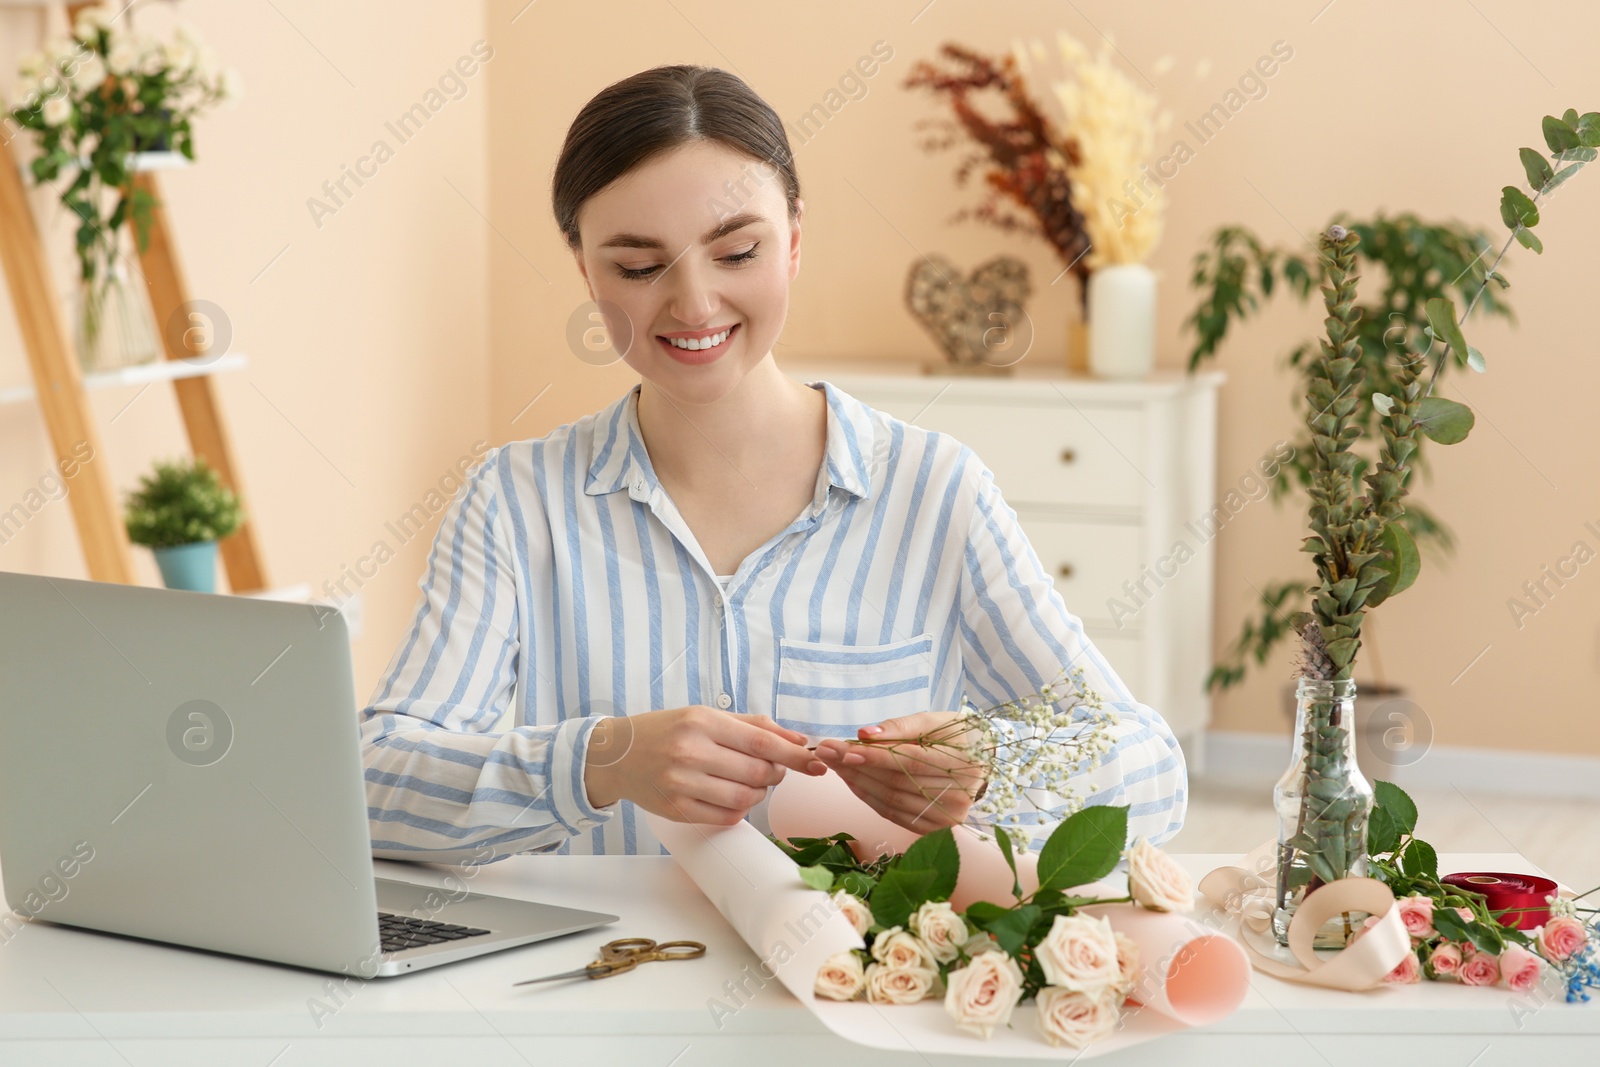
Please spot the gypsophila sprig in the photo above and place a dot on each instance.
(1029, 749)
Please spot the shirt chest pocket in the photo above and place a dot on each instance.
(829, 690)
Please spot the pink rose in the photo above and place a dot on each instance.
(1563, 936)
(1446, 959)
(1156, 881)
(1406, 971)
(1480, 968)
(1465, 913)
(1417, 914)
(1519, 969)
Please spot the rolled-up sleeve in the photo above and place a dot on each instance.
(1017, 636)
(443, 783)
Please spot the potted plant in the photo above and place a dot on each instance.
(180, 513)
(97, 103)
(1363, 553)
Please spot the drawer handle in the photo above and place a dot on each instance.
(1065, 570)
(1068, 455)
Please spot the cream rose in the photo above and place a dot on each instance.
(1071, 1017)
(899, 985)
(1156, 881)
(841, 976)
(57, 110)
(1127, 963)
(940, 929)
(1563, 936)
(1080, 952)
(981, 995)
(900, 949)
(855, 909)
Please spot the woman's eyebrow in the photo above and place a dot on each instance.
(727, 226)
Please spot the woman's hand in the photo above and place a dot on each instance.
(915, 786)
(692, 764)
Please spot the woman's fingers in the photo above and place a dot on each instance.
(917, 809)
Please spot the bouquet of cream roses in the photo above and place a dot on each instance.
(990, 957)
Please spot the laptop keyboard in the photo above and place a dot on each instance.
(397, 932)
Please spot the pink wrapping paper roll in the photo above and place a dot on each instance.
(1195, 975)
(1187, 972)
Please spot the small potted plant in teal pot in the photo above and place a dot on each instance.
(180, 513)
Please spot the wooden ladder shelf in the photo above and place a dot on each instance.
(59, 386)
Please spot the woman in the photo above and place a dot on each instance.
(672, 598)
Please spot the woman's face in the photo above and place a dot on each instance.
(694, 244)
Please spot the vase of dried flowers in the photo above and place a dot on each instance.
(1122, 317)
(1113, 124)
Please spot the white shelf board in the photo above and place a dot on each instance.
(160, 370)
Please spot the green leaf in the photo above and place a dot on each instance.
(1474, 357)
(1419, 860)
(935, 852)
(817, 878)
(1403, 562)
(899, 893)
(1382, 836)
(856, 883)
(1486, 936)
(1578, 155)
(1383, 403)
(1558, 135)
(1442, 318)
(983, 912)
(1562, 175)
(1570, 117)
(1516, 209)
(1538, 170)
(1448, 923)
(1011, 929)
(1444, 421)
(1086, 846)
(1004, 840)
(1401, 808)
(1529, 239)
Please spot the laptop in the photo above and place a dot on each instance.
(186, 768)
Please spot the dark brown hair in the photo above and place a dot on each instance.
(654, 111)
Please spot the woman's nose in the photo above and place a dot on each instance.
(693, 299)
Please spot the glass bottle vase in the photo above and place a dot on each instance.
(1323, 803)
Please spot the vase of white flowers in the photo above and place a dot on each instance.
(97, 104)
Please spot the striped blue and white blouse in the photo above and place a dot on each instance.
(563, 585)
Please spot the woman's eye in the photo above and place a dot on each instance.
(645, 272)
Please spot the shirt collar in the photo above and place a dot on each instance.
(618, 460)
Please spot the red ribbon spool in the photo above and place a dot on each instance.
(1502, 891)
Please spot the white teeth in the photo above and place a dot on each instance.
(695, 346)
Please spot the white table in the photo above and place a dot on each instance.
(73, 997)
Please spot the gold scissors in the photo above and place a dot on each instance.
(626, 953)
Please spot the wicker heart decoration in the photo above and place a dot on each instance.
(978, 321)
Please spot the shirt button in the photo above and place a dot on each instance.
(724, 701)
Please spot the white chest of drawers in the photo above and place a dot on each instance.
(1114, 485)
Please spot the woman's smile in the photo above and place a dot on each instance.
(710, 344)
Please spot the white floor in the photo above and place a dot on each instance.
(1560, 836)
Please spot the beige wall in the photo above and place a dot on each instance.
(406, 327)
(367, 338)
